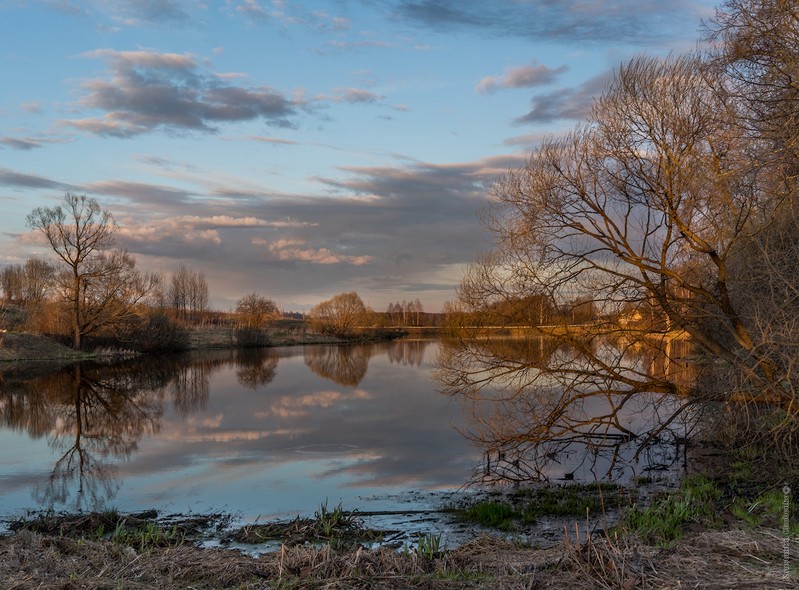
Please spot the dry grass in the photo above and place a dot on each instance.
(710, 560)
(17, 346)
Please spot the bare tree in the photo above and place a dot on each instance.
(38, 280)
(198, 293)
(101, 286)
(179, 291)
(11, 283)
(755, 45)
(29, 283)
(188, 293)
(646, 211)
(254, 310)
(339, 316)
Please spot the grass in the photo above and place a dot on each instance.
(525, 507)
(717, 559)
(143, 531)
(430, 545)
(667, 517)
(491, 514)
(111, 550)
(337, 526)
(768, 510)
(24, 346)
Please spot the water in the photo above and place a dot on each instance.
(273, 433)
(265, 433)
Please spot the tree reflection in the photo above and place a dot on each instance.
(190, 387)
(94, 415)
(529, 430)
(255, 368)
(345, 365)
(407, 352)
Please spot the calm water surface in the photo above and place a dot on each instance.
(260, 433)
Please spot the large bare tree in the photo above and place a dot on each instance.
(340, 315)
(100, 285)
(652, 214)
(254, 310)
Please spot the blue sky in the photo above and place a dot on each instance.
(300, 149)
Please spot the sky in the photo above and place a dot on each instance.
(301, 149)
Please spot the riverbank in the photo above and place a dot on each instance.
(25, 346)
(691, 537)
(709, 559)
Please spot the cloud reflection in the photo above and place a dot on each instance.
(225, 422)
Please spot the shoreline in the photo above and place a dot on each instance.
(16, 347)
(92, 555)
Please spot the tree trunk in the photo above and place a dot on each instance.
(76, 308)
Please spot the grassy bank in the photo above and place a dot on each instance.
(691, 537)
(711, 559)
(24, 346)
(34, 347)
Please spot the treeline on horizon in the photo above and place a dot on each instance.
(33, 298)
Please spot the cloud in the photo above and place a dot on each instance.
(198, 228)
(253, 8)
(566, 103)
(337, 45)
(131, 13)
(240, 222)
(272, 140)
(527, 141)
(34, 106)
(520, 77)
(146, 90)
(140, 192)
(167, 232)
(137, 12)
(20, 180)
(21, 144)
(298, 251)
(291, 15)
(352, 96)
(375, 229)
(641, 22)
(28, 143)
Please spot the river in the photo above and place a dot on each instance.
(266, 433)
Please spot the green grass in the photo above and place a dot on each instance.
(430, 545)
(491, 514)
(149, 536)
(527, 506)
(667, 518)
(330, 523)
(767, 510)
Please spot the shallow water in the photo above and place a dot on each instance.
(266, 433)
(273, 433)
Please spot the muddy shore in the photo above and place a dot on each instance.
(718, 559)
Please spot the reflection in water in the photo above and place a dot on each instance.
(90, 414)
(407, 352)
(95, 415)
(342, 364)
(190, 388)
(347, 364)
(597, 431)
(257, 367)
(228, 429)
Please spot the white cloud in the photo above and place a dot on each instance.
(520, 77)
(293, 249)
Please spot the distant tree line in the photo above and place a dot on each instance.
(94, 290)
